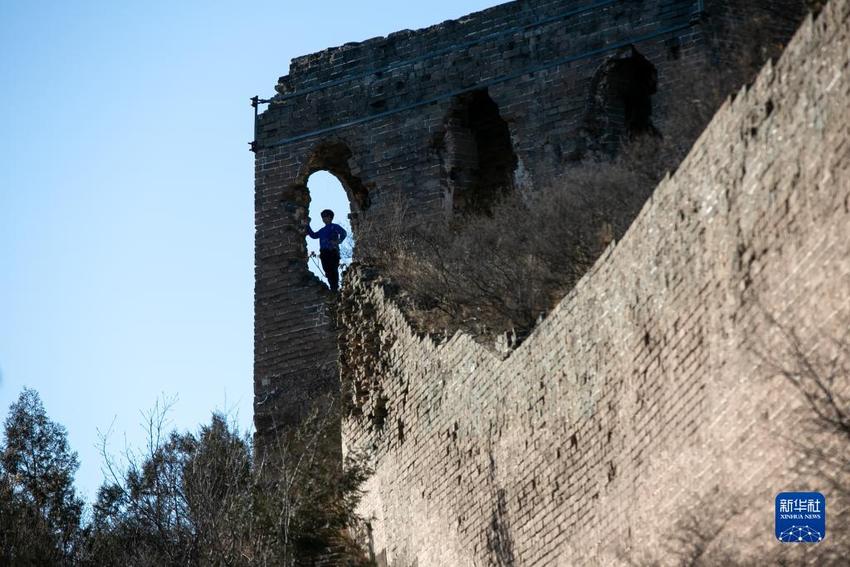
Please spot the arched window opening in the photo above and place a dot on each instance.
(334, 156)
(327, 192)
(620, 106)
(477, 155)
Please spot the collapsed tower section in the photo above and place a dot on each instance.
(446, 119)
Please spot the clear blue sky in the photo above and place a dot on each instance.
(126, 197)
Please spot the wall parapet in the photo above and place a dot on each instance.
(430, 155)
(639, 398)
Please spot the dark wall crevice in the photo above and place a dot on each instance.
(619, 105)
(476, 154)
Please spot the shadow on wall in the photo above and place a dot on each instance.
(499, 539)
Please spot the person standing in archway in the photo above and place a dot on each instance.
(330, 237)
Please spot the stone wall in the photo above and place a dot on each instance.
(640, 401)
(444, 119)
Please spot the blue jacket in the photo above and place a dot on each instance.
(330, 236)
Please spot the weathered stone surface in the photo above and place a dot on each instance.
(639, 399)
(394, 119)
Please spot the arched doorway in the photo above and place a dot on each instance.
(476, 153)
(620, 104)
(327, 182)
(327, 192)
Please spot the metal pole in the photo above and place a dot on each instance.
(255, 102)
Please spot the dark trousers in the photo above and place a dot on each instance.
(330, 265)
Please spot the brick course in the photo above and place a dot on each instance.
(640, 398)
(375, 115)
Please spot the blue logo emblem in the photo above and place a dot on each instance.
(800, 517)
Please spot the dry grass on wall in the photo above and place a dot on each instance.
(499, 273)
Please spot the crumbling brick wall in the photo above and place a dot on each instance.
(639, 399)
(442, 119)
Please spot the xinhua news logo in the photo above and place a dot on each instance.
(800, 517)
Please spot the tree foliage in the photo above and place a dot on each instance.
(207, 499)
(185, 499)
(39, 510)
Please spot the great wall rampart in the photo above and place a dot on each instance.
(510, 95)
(640, 398)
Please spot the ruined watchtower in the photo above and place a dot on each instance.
(500, 100)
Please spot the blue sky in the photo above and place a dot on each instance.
(126, 198)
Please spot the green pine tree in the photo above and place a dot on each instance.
(39, 510)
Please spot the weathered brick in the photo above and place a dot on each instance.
(640, 395)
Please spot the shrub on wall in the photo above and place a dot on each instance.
(500, 271)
